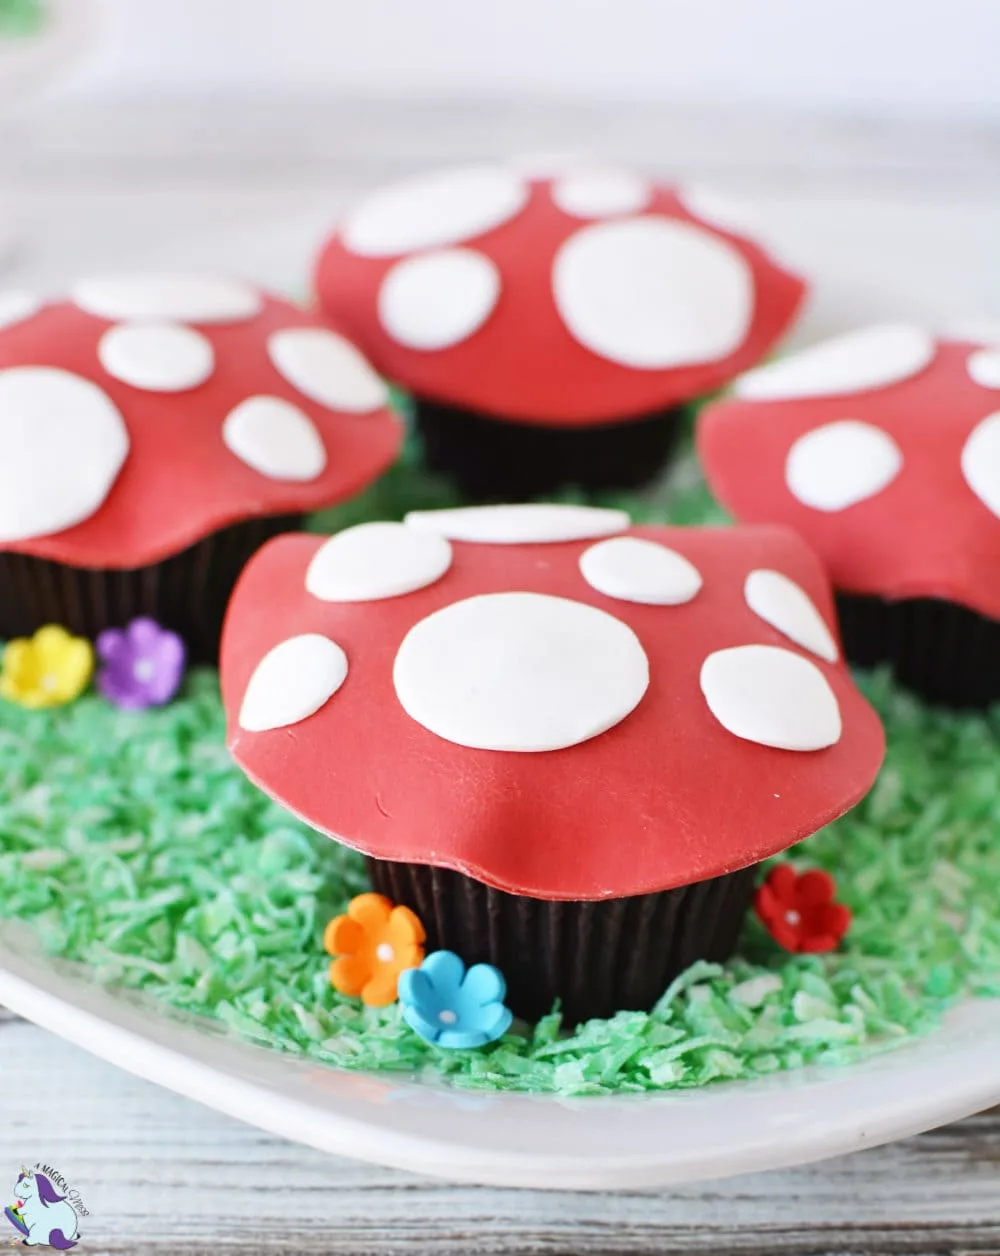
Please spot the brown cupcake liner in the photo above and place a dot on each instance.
(491, 459)
(187, 592)
(596, 957)
(947, 654)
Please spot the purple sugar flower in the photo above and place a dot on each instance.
(143, 664)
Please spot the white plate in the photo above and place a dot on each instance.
(27, 61)
(519, 1140)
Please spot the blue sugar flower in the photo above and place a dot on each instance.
(452, 1007)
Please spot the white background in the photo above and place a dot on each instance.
(909, 57)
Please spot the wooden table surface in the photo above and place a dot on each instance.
(899, 219)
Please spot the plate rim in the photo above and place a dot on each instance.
(786, 1137)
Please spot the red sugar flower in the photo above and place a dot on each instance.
(798, 910)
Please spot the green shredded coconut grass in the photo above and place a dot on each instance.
(132, 845)
(19, 18)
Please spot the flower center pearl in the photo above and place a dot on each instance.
(385, 953)
(793, 918)
(447, 1017)
(50, 682)
(144, 671)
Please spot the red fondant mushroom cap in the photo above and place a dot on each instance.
(594, 295)
(143, 413)
(882, 448)
(546, 698)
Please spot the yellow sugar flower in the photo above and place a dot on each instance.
(49, 669)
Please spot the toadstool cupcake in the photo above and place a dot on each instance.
(882, 448)
(550, 328)
(156, 430)
(562, 741)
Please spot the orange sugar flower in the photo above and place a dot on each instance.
(373, 944)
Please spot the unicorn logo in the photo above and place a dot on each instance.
(42, 1216)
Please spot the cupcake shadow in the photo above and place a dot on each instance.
(187, 592)
(597, 957)
(494, 460)
(947, 654)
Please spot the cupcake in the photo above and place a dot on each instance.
(550, 330)
(882, 448)
(562, 741)
(155, 431)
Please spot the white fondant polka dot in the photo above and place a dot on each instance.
(170, 298)
(636, 570)
(872, 358)
(376, 560)
(438, 299)
(443, 208)
(275, 438)
(596, 193)
(981, 462)
(771, 696)
(17, 307)
(158, 357)
(292, 681)
(984, 367)
(63, 443)
(781, 603)
(653, 293)
(717, 210)
(327, 369)
(520, 525)
(520, 671)
(841, 463)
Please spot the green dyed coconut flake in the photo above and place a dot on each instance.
(19, 18)
(133, 845)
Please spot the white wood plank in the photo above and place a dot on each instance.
(155, 1167)
(232, 141)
